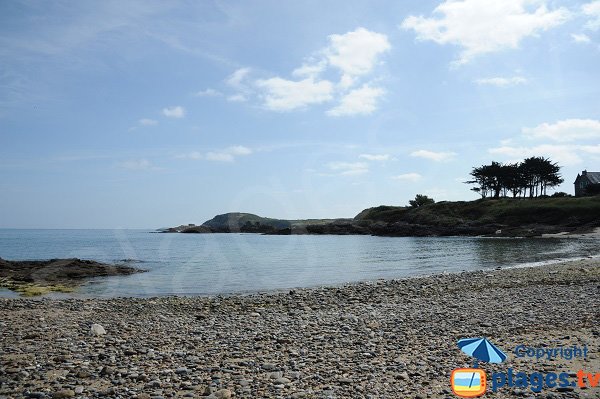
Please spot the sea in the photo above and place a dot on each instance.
(215, 264)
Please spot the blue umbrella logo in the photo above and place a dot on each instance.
(482, 350)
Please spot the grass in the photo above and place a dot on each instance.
(511, 212)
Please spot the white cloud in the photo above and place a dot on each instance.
(592, 10)
(580, 38)
(137, 164)
(563, 154)
(563, 136)
(566, 130)
(285, 95)
(311, 68)
(413, 177)
(174, 112)
(590, 149)
(434, 156)
(356, 53)
(239, 150)
(237, 98)
(147, 122)
(191, 155)
(501, 81)
(219, 156)
(375, 157)
(236, 78)
(358, 101)
(349, 168)
(485, 26)
(229, 154)
(208, 93)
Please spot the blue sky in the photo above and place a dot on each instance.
(150, 114)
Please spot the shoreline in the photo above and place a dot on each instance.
(69, 289)
(392, 338)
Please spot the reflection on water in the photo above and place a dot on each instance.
(199, 264)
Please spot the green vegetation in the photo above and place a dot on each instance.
(568, 211)
(421, 200)
(236, 220)
(31, 289)
(250, 223)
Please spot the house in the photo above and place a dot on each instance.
(585, 179)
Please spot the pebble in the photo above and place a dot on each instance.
(65, 393)
(97, 330)
(378, 339)
(223, 394)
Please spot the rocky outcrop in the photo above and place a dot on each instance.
(42, 276)
(489, 217)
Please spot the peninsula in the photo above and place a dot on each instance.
(486, 217)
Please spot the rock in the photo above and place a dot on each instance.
(269, 366)
(78, 390)
(36, 395)
(223, 394)
(565, 389)
(97, 330)
(294, 374)
(65, 393)
(282, 380)
(275, 375)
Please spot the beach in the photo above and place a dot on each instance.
(378, 339)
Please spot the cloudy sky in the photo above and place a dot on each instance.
(149, 114)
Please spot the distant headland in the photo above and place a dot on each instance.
(506, 217)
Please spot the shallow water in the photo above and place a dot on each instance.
(208, 264)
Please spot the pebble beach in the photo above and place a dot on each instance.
(379, 339)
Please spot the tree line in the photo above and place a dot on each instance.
(530, 178)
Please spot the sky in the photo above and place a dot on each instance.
(150, 114)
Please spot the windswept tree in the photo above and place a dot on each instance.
(531, 177)
(421, 200)
(489, 179)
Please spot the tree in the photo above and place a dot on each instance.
(540, 173)
(488, 179)
(535, 174)
(421, 200)
(512, 179)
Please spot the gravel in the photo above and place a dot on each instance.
(380, 339)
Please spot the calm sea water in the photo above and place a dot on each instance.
(207, 264)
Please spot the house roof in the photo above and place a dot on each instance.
(593, 177)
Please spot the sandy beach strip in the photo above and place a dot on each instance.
(383, 339)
